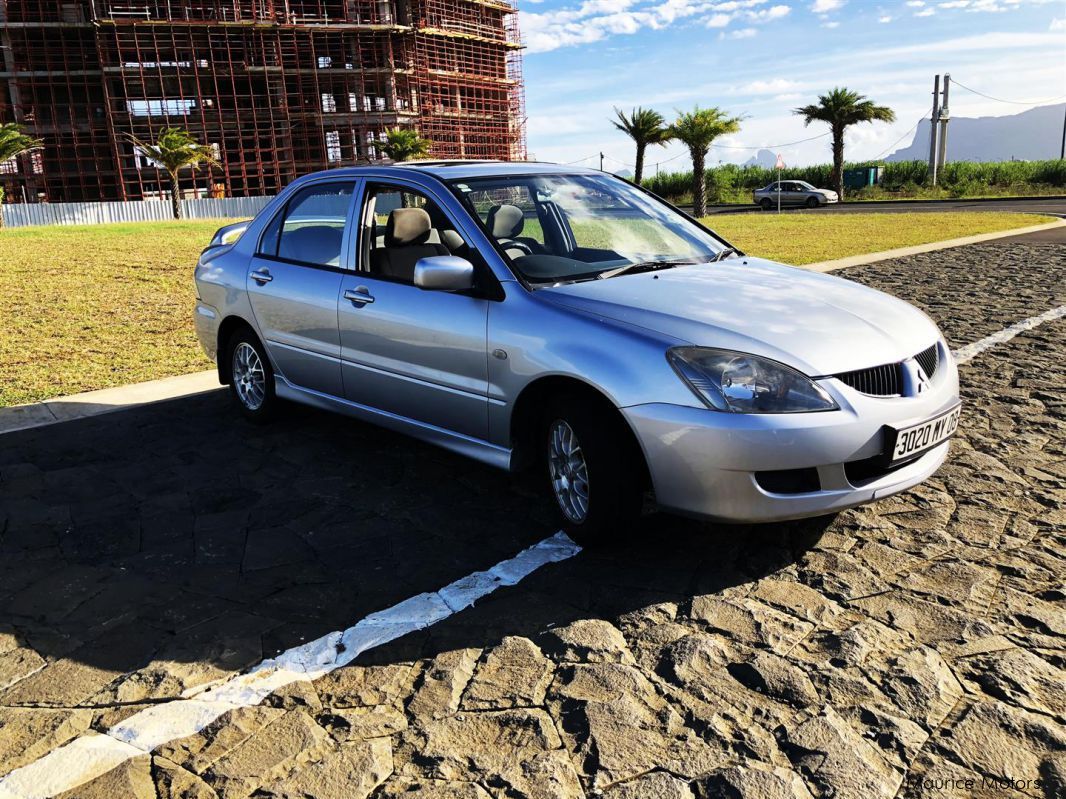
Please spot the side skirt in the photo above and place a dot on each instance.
(464, 445)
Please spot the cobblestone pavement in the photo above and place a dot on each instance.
(900, 649)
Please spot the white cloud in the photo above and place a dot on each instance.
(925, 12)
(823, 6)
(1058, 25)
(743, 33)
(773, 86)
(768, 14)
(885, 18)
(595, 20)
(916, 3)
(831, 25)
(955, 4)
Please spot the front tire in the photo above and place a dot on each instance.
(812, 202)
(766, 203)
(593, 473)
(251, 378)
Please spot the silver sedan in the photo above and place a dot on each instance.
(532, 315)
(792, 192)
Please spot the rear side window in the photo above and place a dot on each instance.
(311, 228)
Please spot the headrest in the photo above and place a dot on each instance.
(451, 239)
(506, 221)
(316, 244)
(407, 226)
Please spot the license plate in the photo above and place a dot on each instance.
(907, 442)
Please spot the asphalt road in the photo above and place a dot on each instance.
(1034, 205)
(148, 554)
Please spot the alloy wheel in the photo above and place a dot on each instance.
(569, 471)
(248, 377)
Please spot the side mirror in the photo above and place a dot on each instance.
(444, 273)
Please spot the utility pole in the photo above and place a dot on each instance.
(601, 162)
(945, 118)
(933, 121)
(1062, 152)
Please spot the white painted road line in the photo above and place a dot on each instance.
(970, 351)
(92, 755)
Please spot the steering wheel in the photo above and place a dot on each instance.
(511, 244)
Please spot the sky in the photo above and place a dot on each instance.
(762, 58)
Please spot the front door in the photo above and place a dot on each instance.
(414, 353)
(294, 280)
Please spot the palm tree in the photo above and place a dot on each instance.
(644, 127)
(841, 108)
(404, 144)
(697, 129)
(13, 143)
(175, 149)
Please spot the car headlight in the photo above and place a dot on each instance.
(736, 382)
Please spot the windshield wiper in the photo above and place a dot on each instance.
(642, 266)
(721, 256)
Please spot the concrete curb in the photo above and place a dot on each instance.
(885, 255)
(107, 400)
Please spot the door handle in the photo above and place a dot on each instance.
(360, 296)
(262, 276)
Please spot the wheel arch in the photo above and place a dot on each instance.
(226, 330)
(529, 408)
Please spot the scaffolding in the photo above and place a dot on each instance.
(277, 88)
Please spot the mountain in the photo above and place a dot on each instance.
(1032, 135)
(764, 158)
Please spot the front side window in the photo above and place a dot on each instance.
(402, 226)
(569, 227)
(311, 228)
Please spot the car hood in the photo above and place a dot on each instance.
(814, 322)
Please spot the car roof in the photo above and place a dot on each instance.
(459, 169)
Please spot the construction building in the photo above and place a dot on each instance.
(278, 88)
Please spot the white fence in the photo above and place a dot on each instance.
(25, 214)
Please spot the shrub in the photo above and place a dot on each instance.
(903, 178)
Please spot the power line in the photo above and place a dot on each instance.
(901, 138)
(771, 146)
(1013, 102)
(672, 158)
(719, 146)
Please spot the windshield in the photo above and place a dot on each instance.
(556, 228)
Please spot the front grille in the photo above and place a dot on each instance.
(929, 360)
(877, 381)
(859, 473)
(887, 380)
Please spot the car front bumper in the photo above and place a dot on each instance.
(714, 465)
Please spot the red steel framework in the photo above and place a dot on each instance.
(278, 88)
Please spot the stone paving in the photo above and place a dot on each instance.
(910, 648)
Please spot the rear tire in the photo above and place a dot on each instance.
(812, 202)
(251, 377)
(766, 203)
(592, 471)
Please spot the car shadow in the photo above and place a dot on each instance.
(180, 541)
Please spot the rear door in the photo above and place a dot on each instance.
(793, 194)
(294, 280)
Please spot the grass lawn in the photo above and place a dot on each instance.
(87, 307)
(807, 238)
(92, 306)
